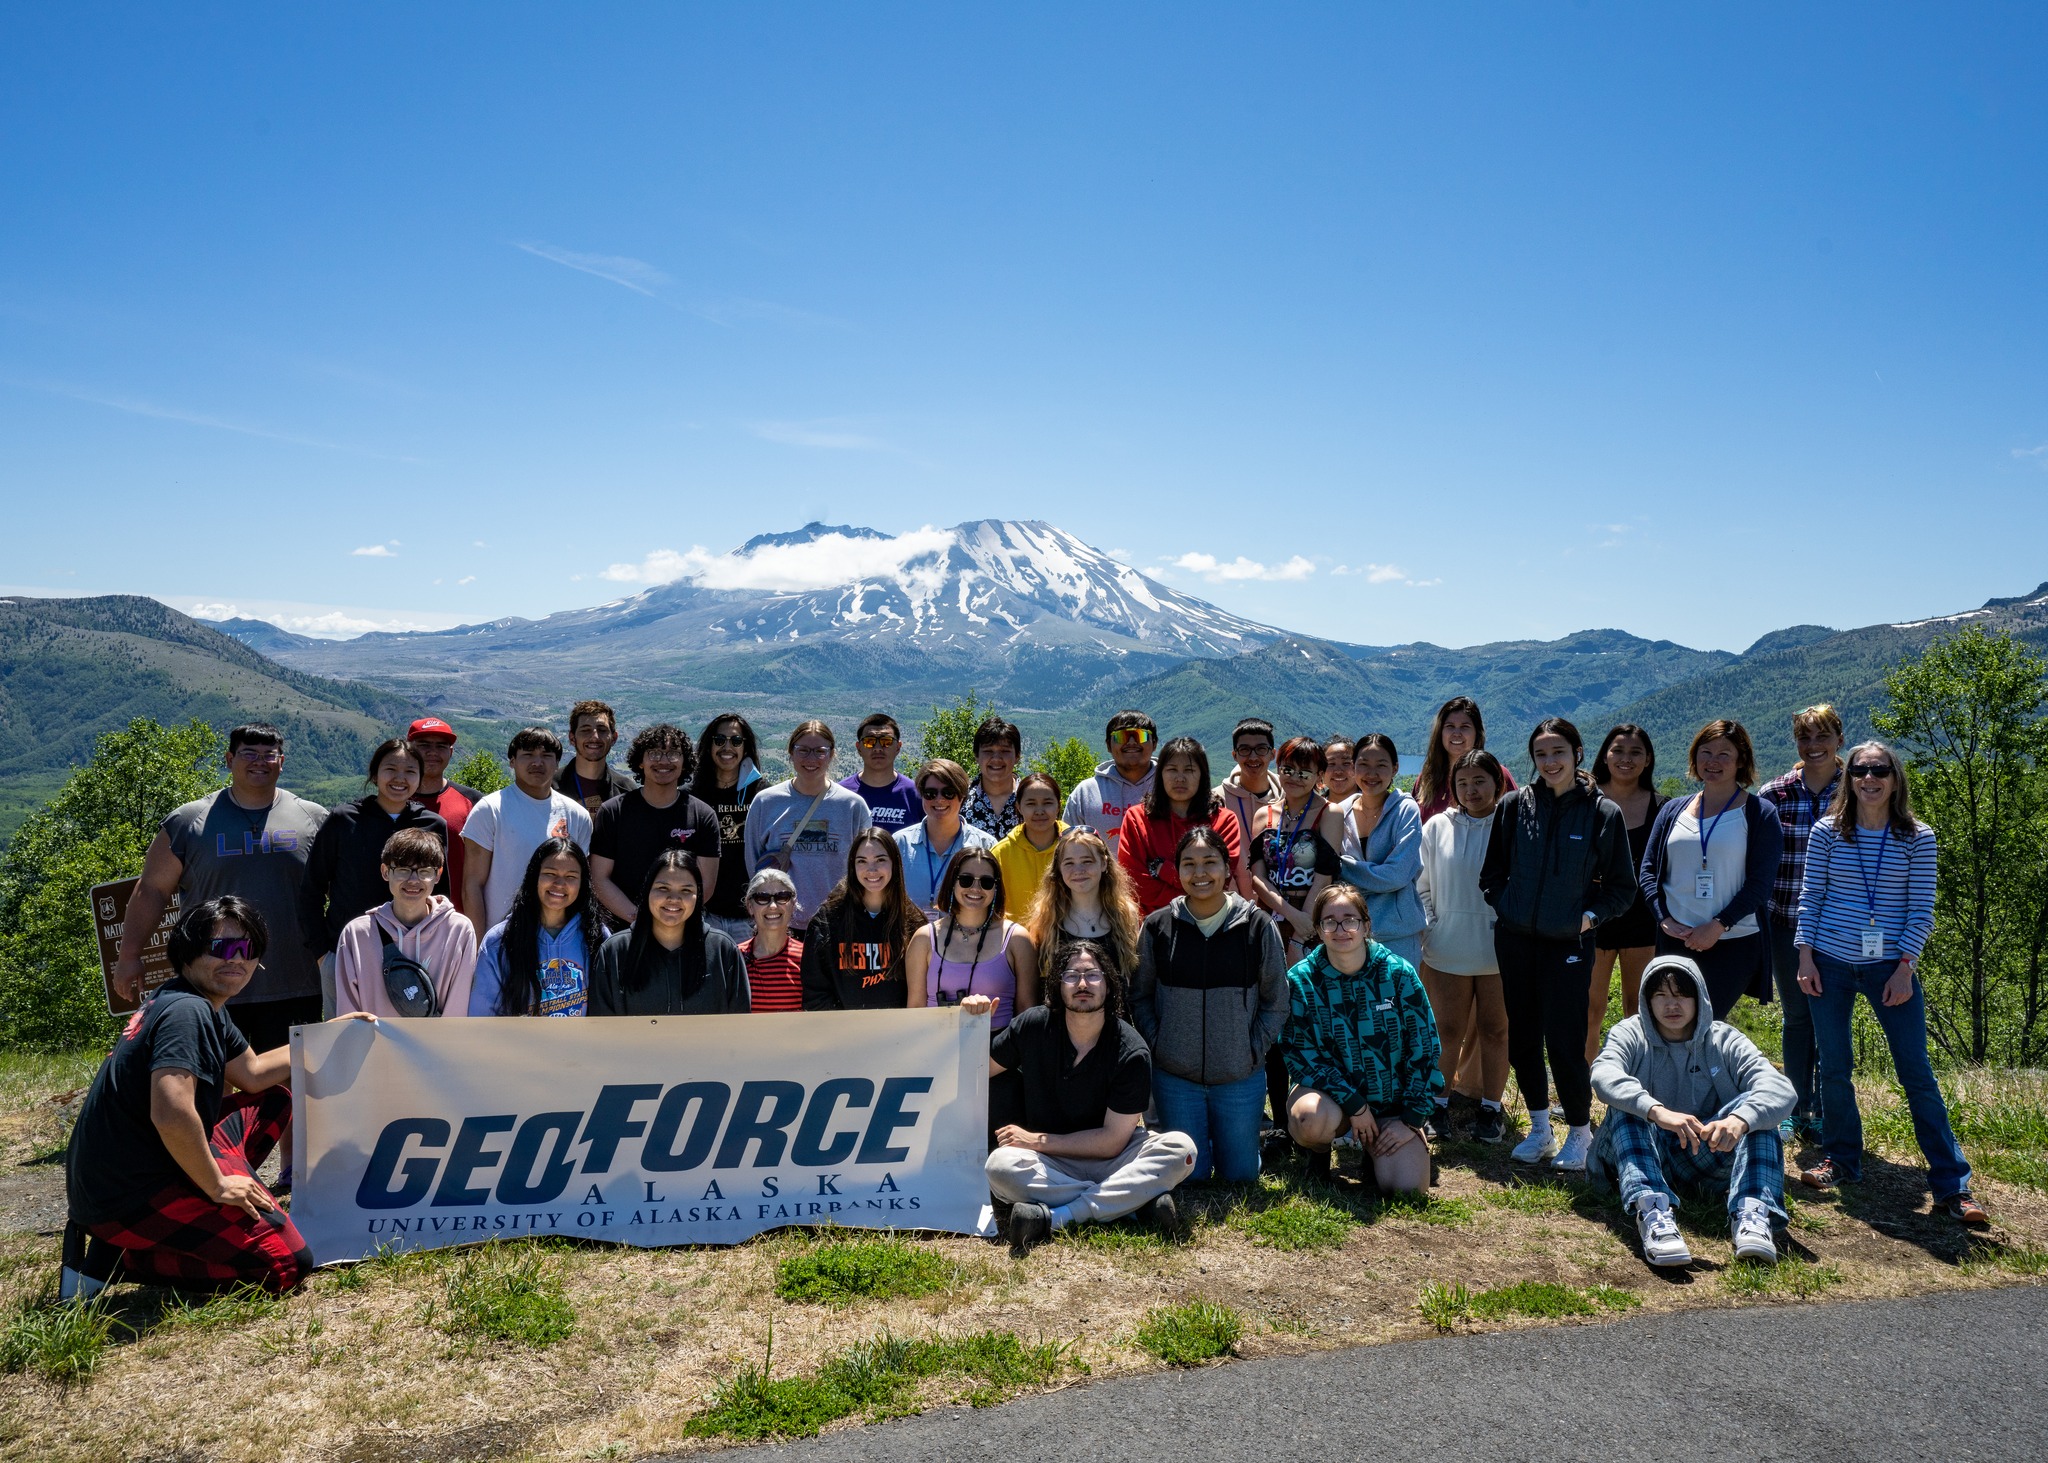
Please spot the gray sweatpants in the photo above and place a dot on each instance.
(1094, 1188)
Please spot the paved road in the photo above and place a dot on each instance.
(1945, 1377)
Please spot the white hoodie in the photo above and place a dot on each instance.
(1459, 937)
(1101, 801)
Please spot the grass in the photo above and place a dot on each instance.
(1427, 1209)
(1190, 1334)
(60, 1341)
(1522, 1197)
(1790, 1279)
(2013, 1260)
(232, 1308)
(841, 1271)
(2000, 1118)
(1548, 1300)
(507, 1292)
(1297, 1222)
(1125, 1239)
(879, 1378)
(1443, 1306)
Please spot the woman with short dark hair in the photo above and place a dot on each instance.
(928, 846)
(160, 1172)
(1707, 877)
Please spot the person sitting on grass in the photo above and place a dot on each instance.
(160, 1174)
(1361, 1046)
(1084, 1079)
(1689, 1100)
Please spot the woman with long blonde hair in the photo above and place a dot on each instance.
(1085, 896)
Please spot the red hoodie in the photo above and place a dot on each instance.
(1144, 846)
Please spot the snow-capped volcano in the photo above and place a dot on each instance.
(931, 587)
(1018, 604)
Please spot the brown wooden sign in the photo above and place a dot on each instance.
(109, 911)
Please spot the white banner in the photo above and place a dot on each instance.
(663, 1130)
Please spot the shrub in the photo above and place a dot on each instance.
(61, 1341)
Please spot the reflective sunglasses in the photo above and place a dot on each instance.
(235, 947)
(1878, 770)
(1132, 736)
(876, 744)
(975, 881)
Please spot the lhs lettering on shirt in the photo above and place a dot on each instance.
(873, 960)
(283, 840)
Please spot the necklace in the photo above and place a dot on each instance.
(981, 938)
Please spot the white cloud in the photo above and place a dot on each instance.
(1241, 568)
(620, 269)
(467, 579)
(827, 434)
(1382, 574)
(211, 611)
(2039, 454)
(322, 622)
(821, 563)
(377, 551)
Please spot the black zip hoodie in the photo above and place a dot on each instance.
(1550, 859)
(343, 873)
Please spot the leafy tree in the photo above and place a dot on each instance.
(949, 730)
(95, 830)
(1968, 711)
(482, 770)
(1069, 761)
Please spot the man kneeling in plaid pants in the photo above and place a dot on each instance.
(161, 1171)
(1690, 1100)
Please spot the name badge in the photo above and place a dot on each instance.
(1703, 884)
(1873, 943)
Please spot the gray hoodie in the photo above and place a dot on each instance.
(1212, 1005)
(1715, 1072)
(1101, 801)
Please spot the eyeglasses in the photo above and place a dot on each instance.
(728, 739)
(1338, 924)
(975, 881)
(1248, 749)
(234, 947)
(1083, 977)
(1132, 736)
(260, 754)
(415, 876)
(1879, 770)
(779, 896)
(810, 754)
(877, 744)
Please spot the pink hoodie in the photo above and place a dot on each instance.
(444, 942)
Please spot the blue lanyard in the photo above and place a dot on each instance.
(1284, 861)
(931, 877)
(1706, 828)
(1870, 885)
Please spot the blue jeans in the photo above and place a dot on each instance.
(1223, 1120)
(1641, 1158)
(1905, 1032)
(1802, 1066)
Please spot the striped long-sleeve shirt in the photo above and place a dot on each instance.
(1878, 876)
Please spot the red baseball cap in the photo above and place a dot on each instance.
(430, 728)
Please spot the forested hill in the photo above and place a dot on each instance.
(71, 669)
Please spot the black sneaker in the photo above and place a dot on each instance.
(1439, 1128)
(1315, 1165)
(1491, 1126)
(1030, 1224)
(1161, 1213)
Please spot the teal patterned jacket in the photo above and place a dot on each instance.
(1368, 1040)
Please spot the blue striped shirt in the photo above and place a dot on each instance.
(1837, 891)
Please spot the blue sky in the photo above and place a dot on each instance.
(1696, 321)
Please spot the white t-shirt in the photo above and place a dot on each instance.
(1727, 861)
(512, 825)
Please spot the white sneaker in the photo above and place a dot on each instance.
(1752, 1230)
(1571, 1158)
(1536, 1147)
(1662, 1243)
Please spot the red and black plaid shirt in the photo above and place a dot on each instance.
(1798, 810)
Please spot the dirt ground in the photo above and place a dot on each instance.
(360, 1367)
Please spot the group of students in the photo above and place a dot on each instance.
(1180, 974)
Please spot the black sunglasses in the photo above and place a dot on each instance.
(975, 881)
(1871, 769)
(728, 740)
(938, 794)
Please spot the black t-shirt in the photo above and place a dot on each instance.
(592, 792)
(728, 900)
(1060, 1096)
(117, 1160)
(1289, 857)
(632, 835)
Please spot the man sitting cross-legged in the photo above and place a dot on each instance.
(161, 1171)
(1689, 1100)
(1084, 1078)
